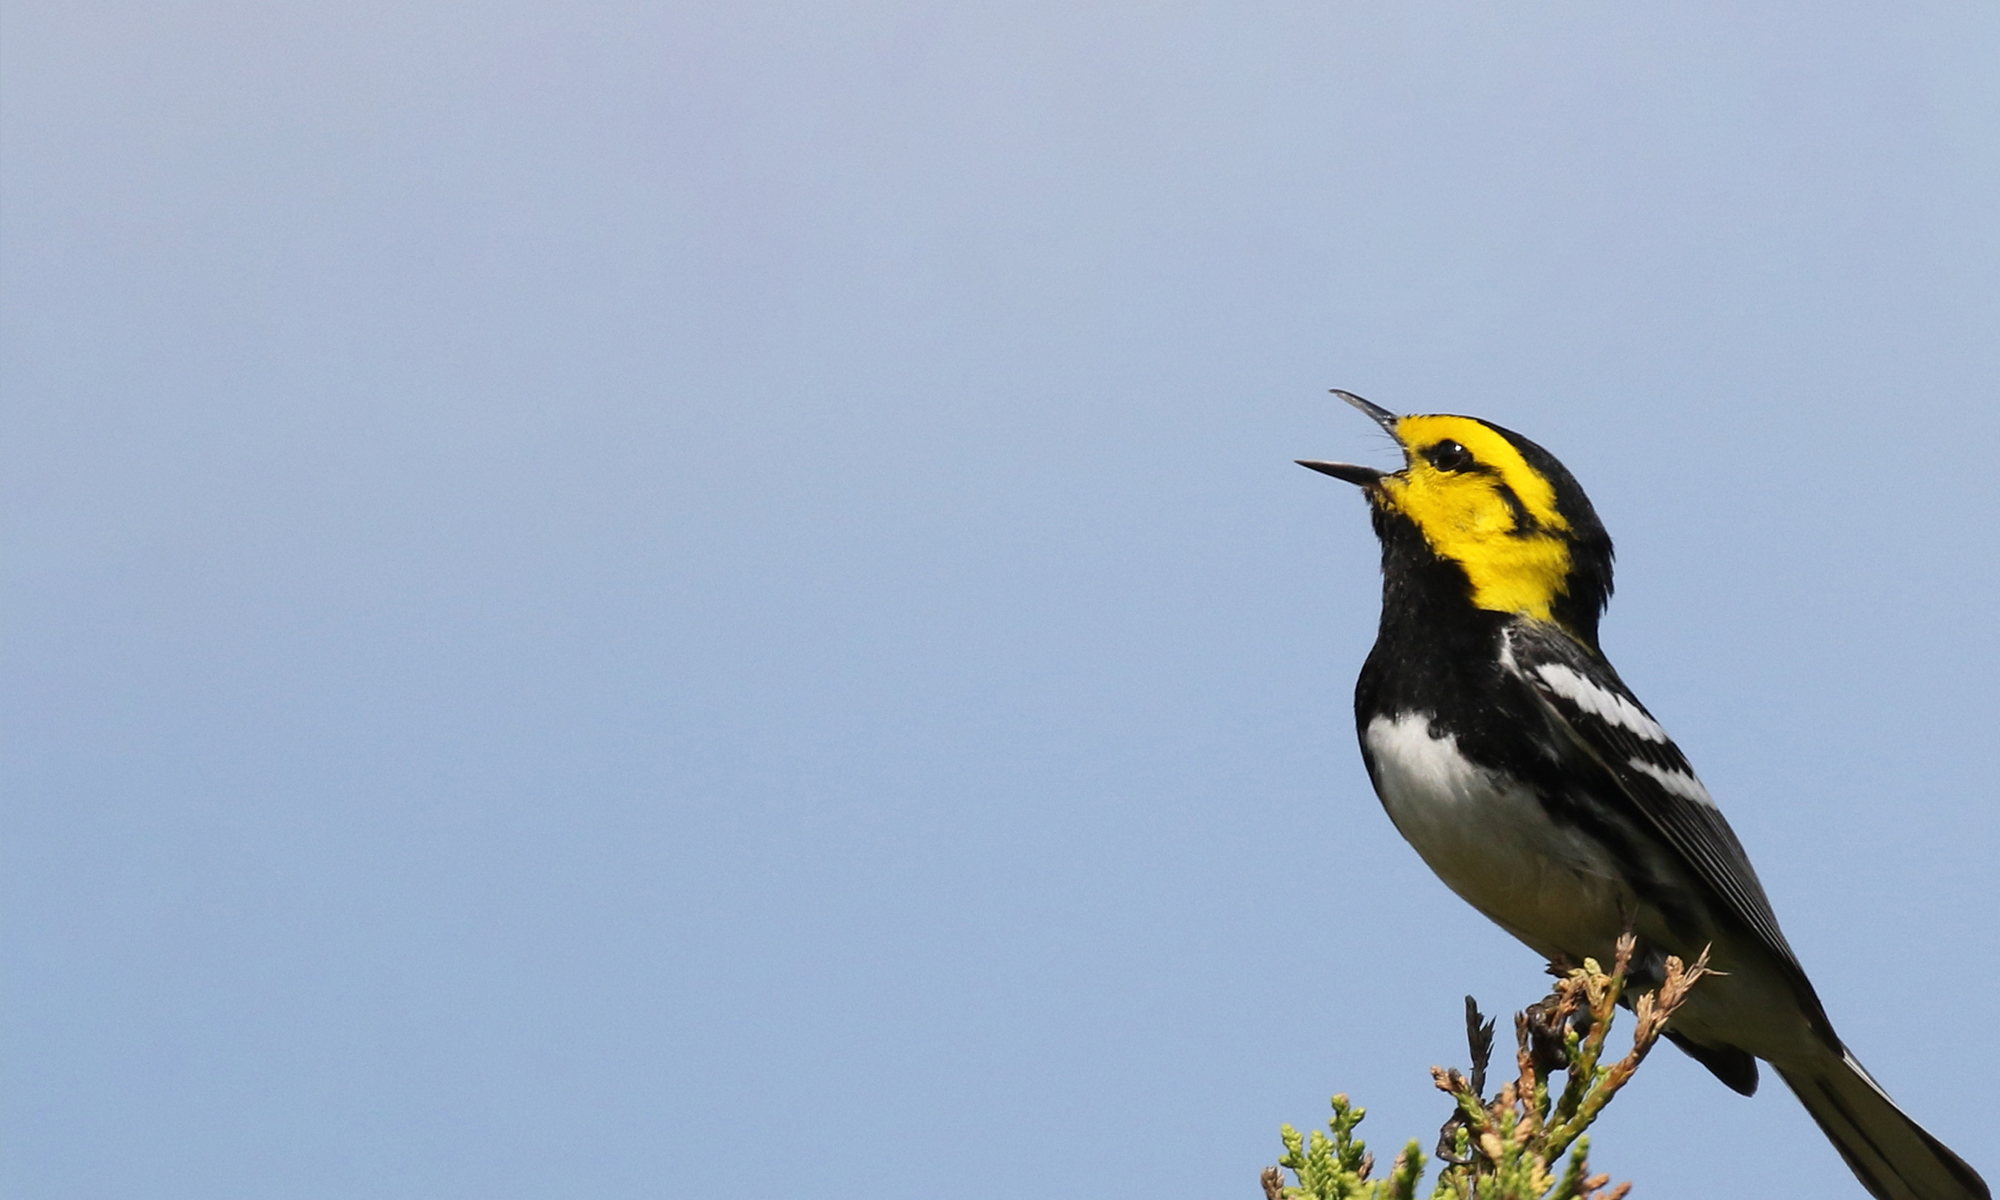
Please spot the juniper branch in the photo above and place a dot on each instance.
(1512, 1146)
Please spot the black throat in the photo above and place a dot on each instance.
(1443, 649)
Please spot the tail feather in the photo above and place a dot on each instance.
(1893, 1156)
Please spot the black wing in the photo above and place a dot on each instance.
(1584, 699)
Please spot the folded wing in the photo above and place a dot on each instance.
(1588, 704)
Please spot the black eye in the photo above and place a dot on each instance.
(1449, 456)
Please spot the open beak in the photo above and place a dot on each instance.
(1351, 472)
(1354, 472)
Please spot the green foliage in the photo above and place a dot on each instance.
(1512, 1146)
(1338, 1167)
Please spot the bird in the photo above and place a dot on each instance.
(1508, 752)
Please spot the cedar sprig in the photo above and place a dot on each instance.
(1511, 1146)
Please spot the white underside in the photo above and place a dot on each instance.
(1492, 843)
(1555, 888)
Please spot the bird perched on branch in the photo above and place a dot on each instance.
(1529, 777)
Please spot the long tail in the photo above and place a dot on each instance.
(1893, 1156)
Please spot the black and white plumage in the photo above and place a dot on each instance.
(1535, 784)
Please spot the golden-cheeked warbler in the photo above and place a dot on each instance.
(1525, 773)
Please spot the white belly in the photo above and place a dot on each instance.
(1493, 844)
(1557, 890)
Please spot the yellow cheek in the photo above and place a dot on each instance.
(1450, 507)
(1526, 579)
(1464, 511)
(1464, 520)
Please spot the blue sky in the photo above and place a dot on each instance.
(631, 600)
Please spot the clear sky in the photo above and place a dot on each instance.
(711, 599)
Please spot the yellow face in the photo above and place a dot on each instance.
(1478, 503)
